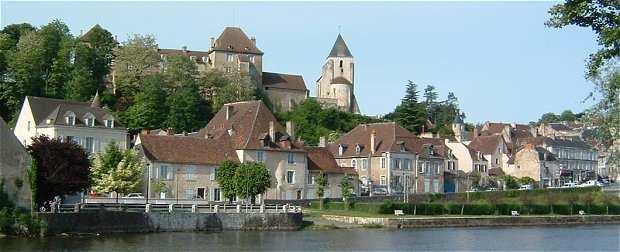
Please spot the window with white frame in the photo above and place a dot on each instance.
(354, 163)
(251, 58)
(165, 172)
(382, 162)
(89, 120)
(420, 167)
(396, 164)
(382, 180)
(193, 58)
(260, 156)
(311, 179)
(364, 163)
(70, 118)
(290, 177)
(190, 172)
(229, 57)
(437, 168)
(216, 194)
(109, 123)
(291, 157)
(213, 174)
(89, 145)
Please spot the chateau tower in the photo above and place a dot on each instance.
(335, 87)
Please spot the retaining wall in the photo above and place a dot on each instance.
(118, 221)
(477, 221)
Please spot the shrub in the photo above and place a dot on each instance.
(478, 209)
(562, 209)
(455, 209)
(428, 209)
(507, 208)
(580, 207)
(538, 209)
(614, 209)
(597, 209)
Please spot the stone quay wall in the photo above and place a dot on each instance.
(119, 221)
(432, 222)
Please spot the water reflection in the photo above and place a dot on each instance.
(564, 238)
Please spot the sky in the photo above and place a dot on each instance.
(498, 58)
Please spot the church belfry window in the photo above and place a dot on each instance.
(340, 63)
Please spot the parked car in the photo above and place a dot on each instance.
(135, 196)
(492, 189)
(379, 191)
(526, 187)
(590, 183)
(569, 184)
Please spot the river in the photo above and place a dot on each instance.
(558, 238)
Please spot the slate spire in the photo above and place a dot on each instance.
(340, 48)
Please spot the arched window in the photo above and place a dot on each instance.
(89, 120)
(70, 118)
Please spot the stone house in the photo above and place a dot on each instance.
(86, 123)
(469, 160)
(335, 87)
(185, 165)
(256, 135)
(434, 161)
(494, 149)
(321, 161)
(537, 163)
(14, 166)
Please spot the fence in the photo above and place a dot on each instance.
(191, 208)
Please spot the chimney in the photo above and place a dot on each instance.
(253, 40)
(290, 129)
(212, 42)
(476, 133)
(322, 141)
(228, 112)
(373, 135)
(184, 48)
(272, 131)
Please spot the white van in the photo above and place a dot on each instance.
(526, 187)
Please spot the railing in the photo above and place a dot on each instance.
(171, 208)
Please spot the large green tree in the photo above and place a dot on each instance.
(136, 59)
(123, 178)
(322, 183)
(346, 188)
(97, 54)
(186, 110)
(149, 109)
(238, 88)
(602, 16)
(179, 69)
(411, 114)
(225, 178)
(105, 162)
(82, 86)
(251, 179)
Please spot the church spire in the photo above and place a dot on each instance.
(96, 103)
(340, 48)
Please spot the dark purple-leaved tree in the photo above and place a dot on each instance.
(62, 167)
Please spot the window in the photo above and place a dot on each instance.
(252, 58)
(70, 119)
(420, 167)
(90, 121)
(427, 185)
(229, 57)
(193, 58)
(437, 168)
(291, 158)
(354, 163)
(396, 164)
(213, 175)
(228, 69)
(364, 163)
(89, 145)
(69, 138)
(364, 180)
(290, 177)
(216, 194)
(189, 193)
(407, 164)
(382, 162)
(382, 180)
(340, 150)
(341, 63)
(204, 59)
(496, 160)
(260, 156)
(28, 126)
(165, 172)
(109, 123)
(358, 149)
(190, 172)
(310, 179)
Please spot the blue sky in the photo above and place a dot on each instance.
(497, 57)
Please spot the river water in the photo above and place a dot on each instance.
(557, 238)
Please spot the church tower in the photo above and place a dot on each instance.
(335, 87)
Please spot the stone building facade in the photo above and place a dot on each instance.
(321, 162)
(537, 163)
(336, 85)
(14, 165)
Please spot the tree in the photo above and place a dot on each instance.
(321, 182)
(149, 109)
(225, 177)
(510, 182)
(346, 188)
(105, 162)
(604, 116)
(62, 167)
(602, 16)
(180, 70)
(60, 71)
(14, 33)
(186, 110)
(239, 88)
(135, 59)
(124, 178)
(568, 116)
(99, 44)
(82, 86)
(411, 114)
(526, 181)
(549, 118)
(251, 179)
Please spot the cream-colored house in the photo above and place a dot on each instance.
(494, 149)
(186, 166)
(469, 160)
(255, 135)
(537, 163)
(86, 123)
(14, 165)
(335, 87)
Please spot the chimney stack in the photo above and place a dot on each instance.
(290, 129)
(228, 112)
(272, 131)
(212, 42)
(253, 40)
(373, 135)
(322, 141)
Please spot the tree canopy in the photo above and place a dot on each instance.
(251, 179)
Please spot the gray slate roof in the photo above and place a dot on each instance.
(340, 49)
(55, 109)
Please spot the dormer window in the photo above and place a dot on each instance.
(358, 149)
(70, 118)
(193, 58)
(89, 120)
(109, 123)
(204, 59)
(340, 150)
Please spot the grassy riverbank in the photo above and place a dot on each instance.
(534, 202)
